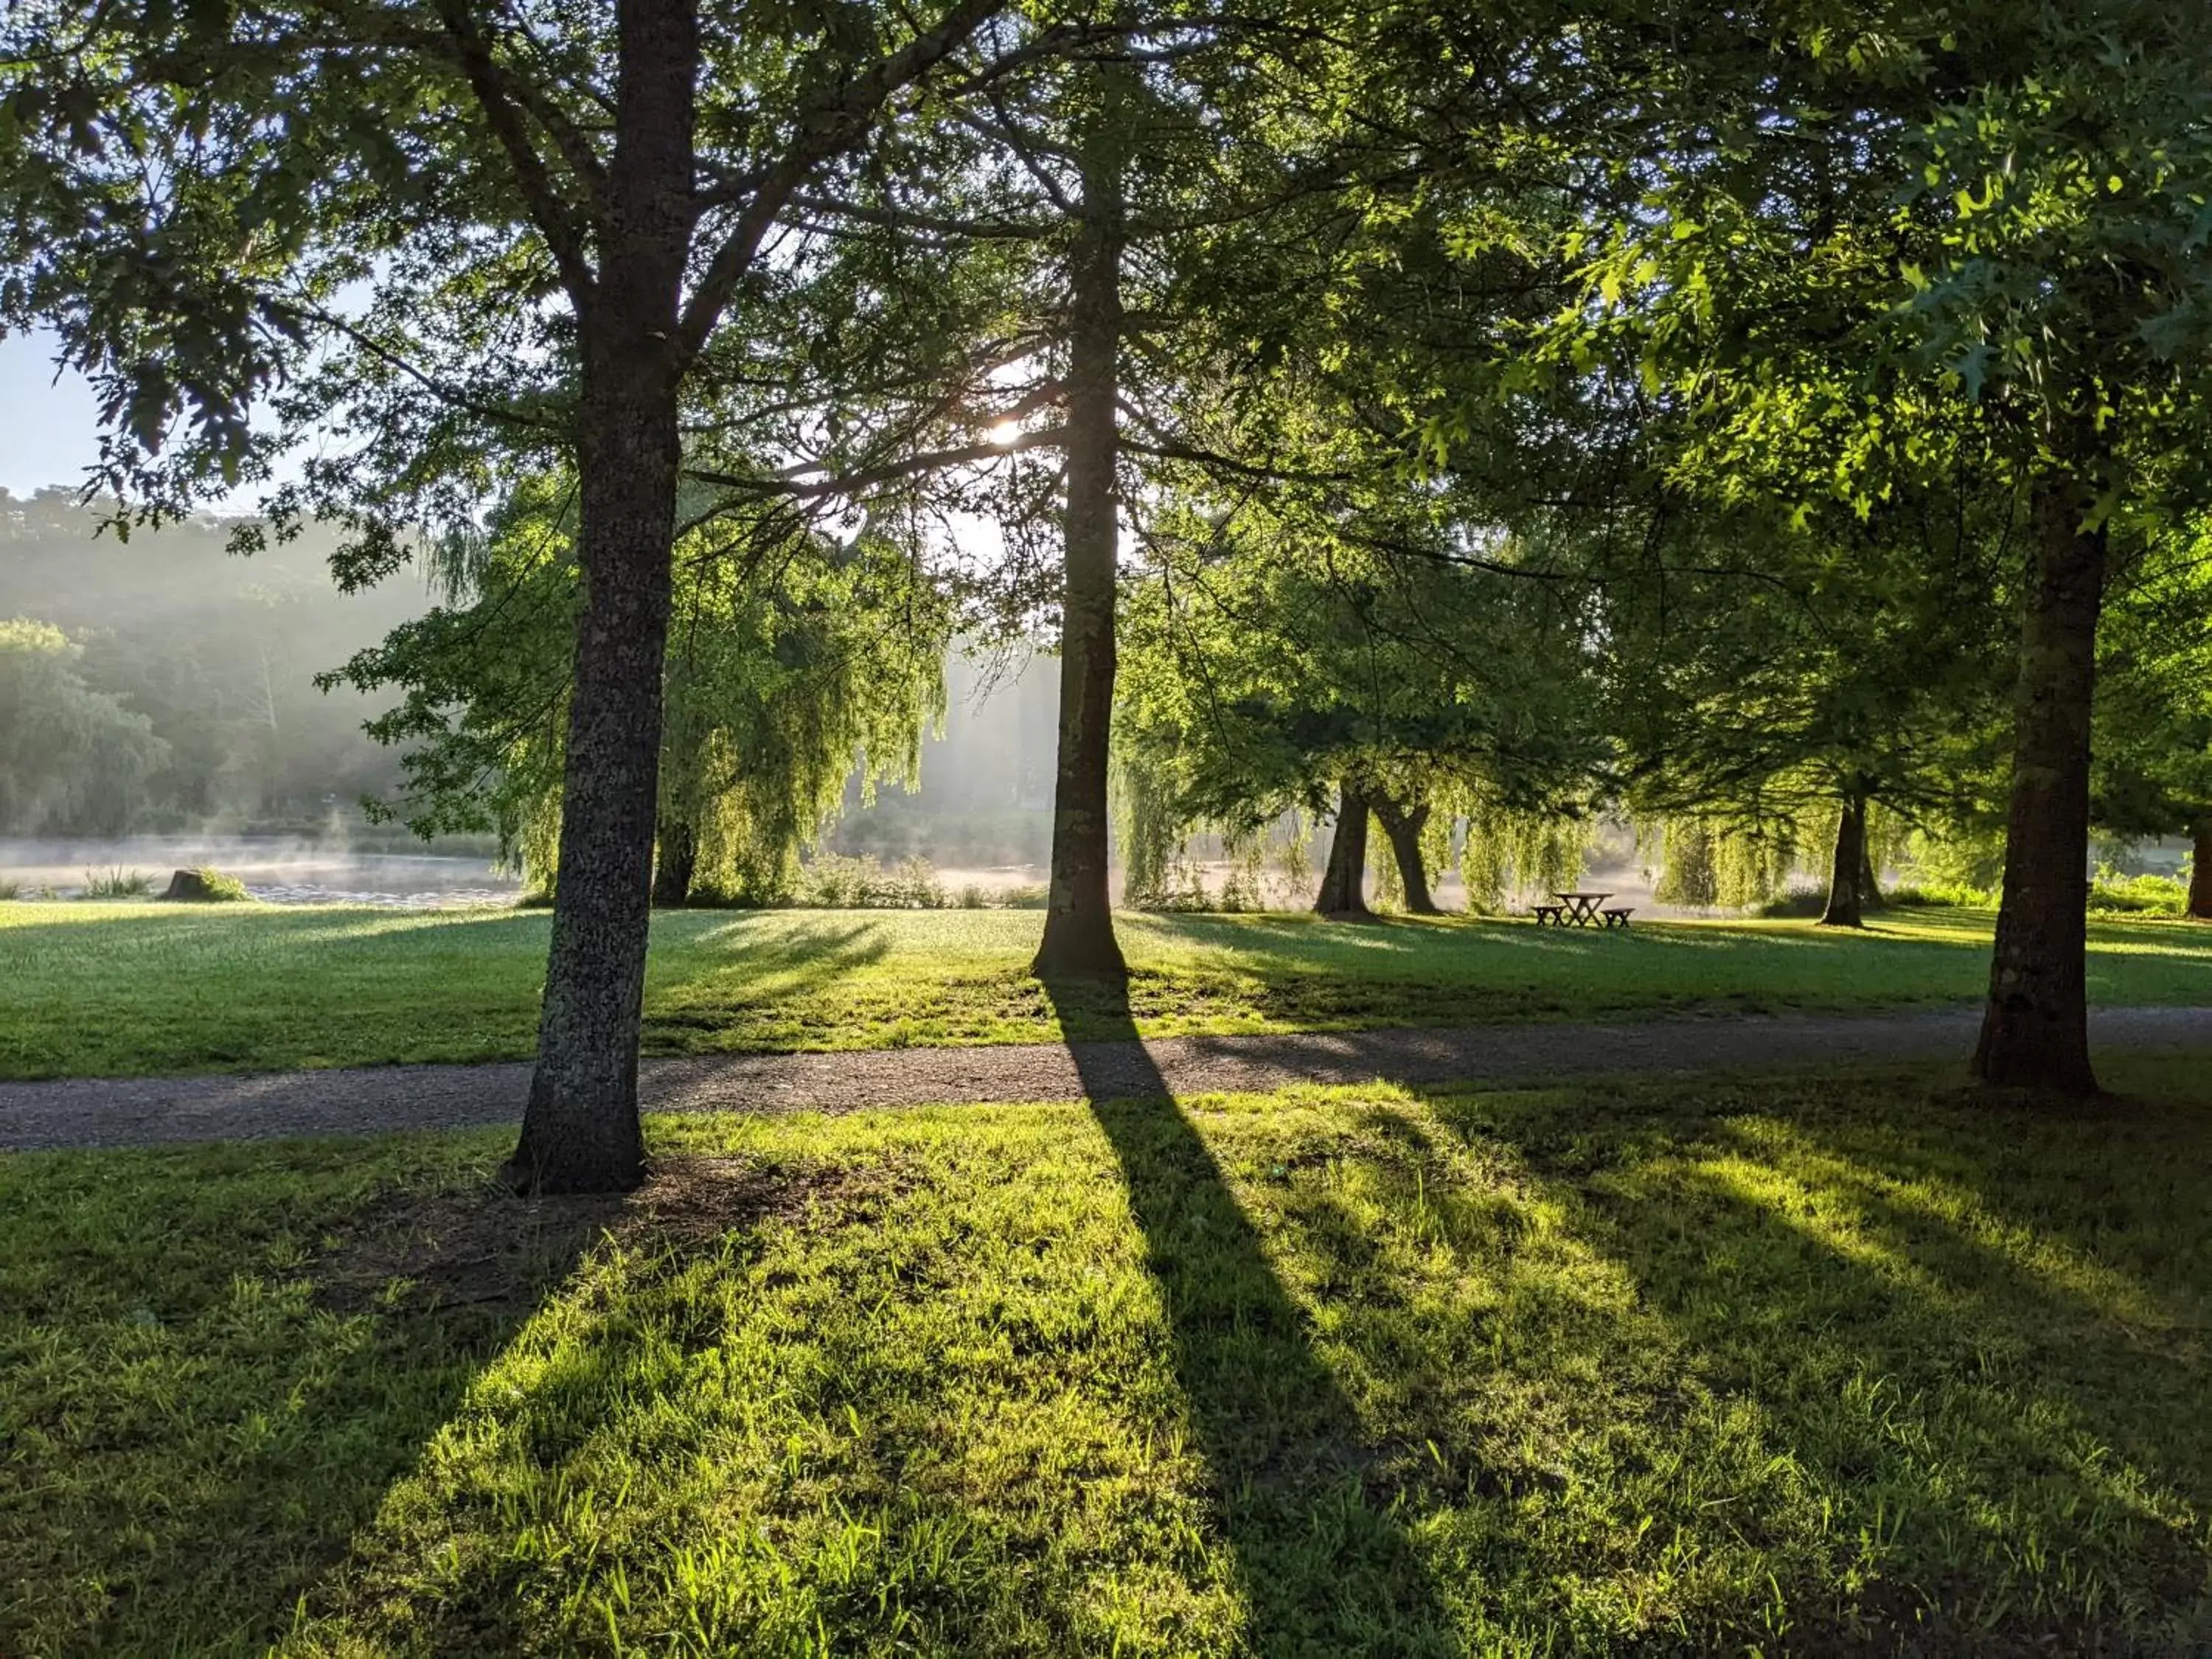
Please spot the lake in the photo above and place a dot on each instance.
(277, 869)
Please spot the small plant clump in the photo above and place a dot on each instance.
(834, 882)
(10, 889)
(118, 883)
(1942, 896)
(2115, 894)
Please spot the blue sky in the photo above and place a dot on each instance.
(49, 434)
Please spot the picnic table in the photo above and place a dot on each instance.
(1581, 910)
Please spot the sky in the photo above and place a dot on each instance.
(49, 434)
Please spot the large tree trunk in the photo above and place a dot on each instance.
(2200, 876)
(1343, 881)
(579, 1131)
(1404, 828)
(2035, 1031)
(676, 862)
(1870, 896)
(1847, 870)
(1079, 923)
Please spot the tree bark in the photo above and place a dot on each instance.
(1847, 870)
(1870, 896)
(1078, 924)
(1404, 829)
(1343, 881)
(2035, 1030)
(2200, 875)
(676, 864)
(580, 1130)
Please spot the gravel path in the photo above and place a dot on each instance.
(84, 1112)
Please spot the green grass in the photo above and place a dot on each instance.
(1844, 1366)
(115, 990)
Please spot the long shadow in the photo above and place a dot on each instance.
(218, 1400)
(726, 978)
(1320, 1545)
(2088, 1286)
(2027, 1476)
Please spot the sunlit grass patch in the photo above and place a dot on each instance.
(1824, 1367)
(93, 990)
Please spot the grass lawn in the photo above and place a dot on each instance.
(93, 989)
(1844, 1366)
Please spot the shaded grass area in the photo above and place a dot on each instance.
(1838, 1366)
(118, 990)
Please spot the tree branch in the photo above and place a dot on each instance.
(794, 481)
(555, 218)
(826, 126)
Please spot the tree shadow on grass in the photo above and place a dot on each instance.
(761, 988)
(1938, 1450)
(1322, 1547)
(210, 1402)
(2087, 1263)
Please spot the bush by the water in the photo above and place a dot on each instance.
(205, 887)
(1797, 904)
(1944, 895)
(2114, 894)
(833, 882)
(119, 884)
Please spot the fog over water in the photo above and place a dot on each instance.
(158, 712)
(279, 869)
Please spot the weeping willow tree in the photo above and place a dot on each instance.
(1507, 851)
(795, 663)
(1154, 826)
(1708, 861)
(1271, 666)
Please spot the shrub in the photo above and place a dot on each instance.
(206, 886)
(1797, 904)
(2114, 894)
(1026, 899)
(1940, 896)
(833, 882)
(10, 889)
(121, 883)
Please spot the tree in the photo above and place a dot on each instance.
(72, 760)
(218, 654)
(534, 235)
(2069, 296)
(2153, 731)
(1103, 173)
(1940, 218)
(1274, 667)
(1767, 679)
(1079, 926)
(793, 661)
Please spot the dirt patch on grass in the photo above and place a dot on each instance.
(483, 1246)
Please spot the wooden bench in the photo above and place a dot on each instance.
(1619, 918)
(1551, 915)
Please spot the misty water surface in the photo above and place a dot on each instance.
(279, 870)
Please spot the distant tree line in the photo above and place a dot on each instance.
(160, 684)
